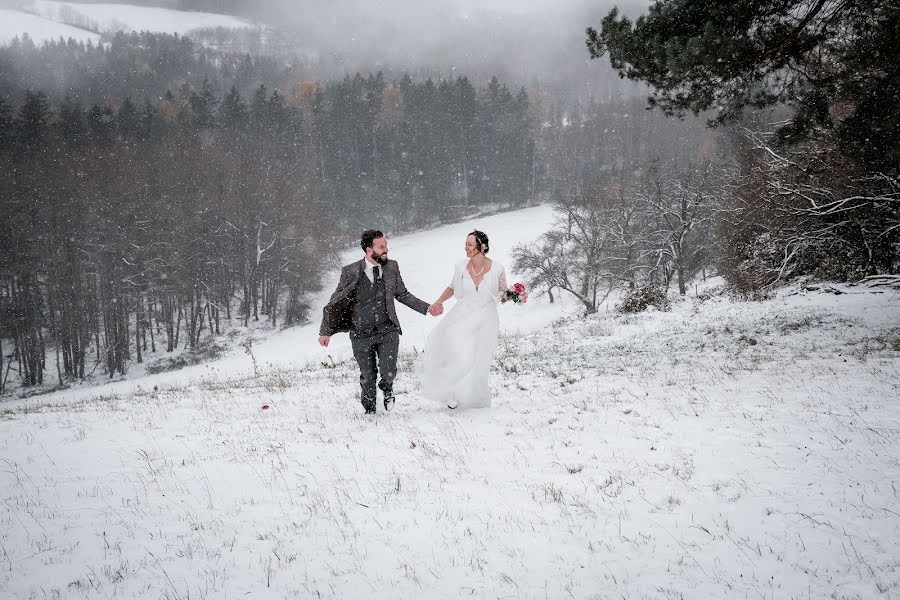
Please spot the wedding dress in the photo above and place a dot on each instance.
(458, 352)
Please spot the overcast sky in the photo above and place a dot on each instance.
(519, 40)
(524, 42)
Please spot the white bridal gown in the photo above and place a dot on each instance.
(459, 351)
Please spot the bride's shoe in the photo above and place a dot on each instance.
(453, 404)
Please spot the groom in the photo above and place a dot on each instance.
(363, 304)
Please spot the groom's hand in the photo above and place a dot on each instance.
(436, 309)
(323, 340)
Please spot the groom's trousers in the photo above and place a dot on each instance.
(376, 353)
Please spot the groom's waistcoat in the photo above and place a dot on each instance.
(340, 314)
(370, 315)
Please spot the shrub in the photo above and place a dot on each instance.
(639, 299)
(185, 359)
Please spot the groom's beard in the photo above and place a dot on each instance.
(379, 258)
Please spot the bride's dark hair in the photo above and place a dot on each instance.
(481, 241)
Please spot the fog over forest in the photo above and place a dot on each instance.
(528, 43)
(529, 39)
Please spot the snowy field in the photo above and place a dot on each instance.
(109, 18)
(45, 20)
(14, 23)
(720, 450)
(426, 260)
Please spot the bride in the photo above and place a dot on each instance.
(458, 352)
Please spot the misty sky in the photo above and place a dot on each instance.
(522, 41)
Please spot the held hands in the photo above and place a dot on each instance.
(436, 309)
(323, 340)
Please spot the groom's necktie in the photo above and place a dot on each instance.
(376, 273)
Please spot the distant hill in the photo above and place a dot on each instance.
(45, 20)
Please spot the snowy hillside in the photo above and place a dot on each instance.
(426, 261)
(14, 23)
(46, 20)
(108, 18)
(720, 450)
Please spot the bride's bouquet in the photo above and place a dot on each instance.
(515, 294)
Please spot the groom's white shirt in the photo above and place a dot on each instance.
(368, 270)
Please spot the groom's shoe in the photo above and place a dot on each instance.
(369, 405)
(389, 403)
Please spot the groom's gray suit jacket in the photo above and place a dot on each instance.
(338, 315)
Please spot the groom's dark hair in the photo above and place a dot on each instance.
(368, 238)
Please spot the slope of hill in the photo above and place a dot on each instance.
(426, 260)
(15, 23)
(720, 450)
(112, 17)
(45, 20)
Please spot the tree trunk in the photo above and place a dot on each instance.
(209, 313)
(151, 308)
(59, 373)
(255, 293)
(138, 322)
(245, 301)
(169, 321)
(178, 325)
(192, 324)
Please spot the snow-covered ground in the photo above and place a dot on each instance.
(15, 23)
(720, 450)
(112, 17)
(426, 261)
(45, 20)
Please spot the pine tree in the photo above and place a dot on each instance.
(7, 126)
(275, 111)
(127, 119)
(233, 110)
(70, 123)
(836, 65)
(33, 123)
(203, 106)
(259, 104)
(100, 124)
(149, 127)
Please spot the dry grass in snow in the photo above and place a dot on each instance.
(722, 450)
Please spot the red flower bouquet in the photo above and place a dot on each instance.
(515, 294)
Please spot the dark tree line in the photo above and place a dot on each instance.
(127, 232)
(400, 144)
(417, 152)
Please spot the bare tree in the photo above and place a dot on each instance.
(806, 210)
(678, 212)
(595, 246)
